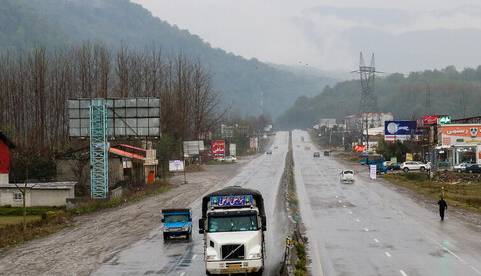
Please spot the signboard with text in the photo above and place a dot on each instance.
(460, 135)
(176, 165)
(399, 130)
(218, 148)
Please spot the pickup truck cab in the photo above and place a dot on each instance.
(177, 222)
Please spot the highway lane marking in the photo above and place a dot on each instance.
(387, 254)
(182, 274)
(337, 196)
(357, 220)
(376, 240)
(339, 201)
(403, 273)
(452, 253)
(365, 229)
(475, 269)
(195, 256)
(344, 206)
(350, 212)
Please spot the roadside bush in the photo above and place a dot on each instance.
(31, 211)
(416, 176)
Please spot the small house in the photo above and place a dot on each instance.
(37, 194)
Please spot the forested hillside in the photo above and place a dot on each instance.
(445, 91)
(241, 82)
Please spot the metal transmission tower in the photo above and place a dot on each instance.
(99, 161)
(368, 98)
(367, 74)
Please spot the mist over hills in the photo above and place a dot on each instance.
(240, 82)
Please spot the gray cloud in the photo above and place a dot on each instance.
(329, 34)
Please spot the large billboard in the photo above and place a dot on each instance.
(193, 147)
(460, 135)
(126, 117)
(399, 130)
(218, 148)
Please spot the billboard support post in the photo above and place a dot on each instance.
(99, 159)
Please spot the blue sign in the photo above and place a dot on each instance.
(231, 201)
(399, 127)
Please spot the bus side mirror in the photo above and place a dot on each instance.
(201, 226)
(162, 220)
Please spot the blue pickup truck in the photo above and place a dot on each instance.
(177, 222)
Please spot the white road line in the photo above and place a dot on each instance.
(182, 274)
(350, 212)
(195, 256)
(452, 253)
(376, 240)
(387, 254)
(339, 201)
(337, 196)
(357, 220)
(403, 273)
(365, 229)
(475, 269)
(344, 206)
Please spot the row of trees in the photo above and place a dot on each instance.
(36, 84)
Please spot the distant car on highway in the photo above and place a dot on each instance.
(327, 153)
(230, 159)
(475, 168)
(269, 152)
(347, 176)
(415, 166)
(316, 154)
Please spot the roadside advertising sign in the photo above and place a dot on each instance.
(372, 171)
(399, 130)
(430, 120)
(176, 165)
(233, 150)
(409, 157)
(460, 135)
(193, 147)
(218, 148)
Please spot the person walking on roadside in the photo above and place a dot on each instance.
(443, 206)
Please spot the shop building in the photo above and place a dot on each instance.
(458, 143)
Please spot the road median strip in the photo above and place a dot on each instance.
(295, 259)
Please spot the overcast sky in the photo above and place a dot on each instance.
(328, 34)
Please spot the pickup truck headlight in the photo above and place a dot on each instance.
(255, 256)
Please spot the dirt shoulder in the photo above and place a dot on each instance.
(94, 238)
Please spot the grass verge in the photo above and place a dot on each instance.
(464, 194)
(56, 219)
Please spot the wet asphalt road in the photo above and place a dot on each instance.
(152, 256)
(367, 228)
